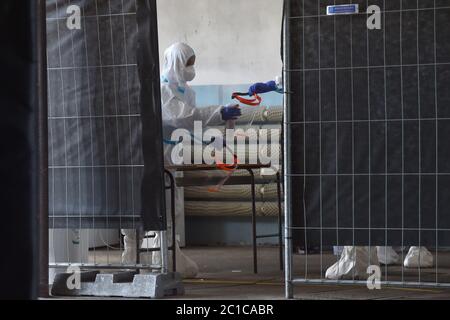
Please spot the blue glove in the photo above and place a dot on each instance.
(230, 112)
(260, 87)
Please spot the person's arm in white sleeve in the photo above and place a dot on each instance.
(179, 114)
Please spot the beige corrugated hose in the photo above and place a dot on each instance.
(264, 192)
(220, 209)
(235, 200)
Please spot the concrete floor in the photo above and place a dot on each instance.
(227, 273)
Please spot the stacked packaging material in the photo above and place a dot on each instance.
(235, 200)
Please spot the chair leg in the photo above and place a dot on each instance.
(172, 216)
(280, 240)
(254, 239)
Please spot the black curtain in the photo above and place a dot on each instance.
(105, 141)
(370, 124)
(20, 83)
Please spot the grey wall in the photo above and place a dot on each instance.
(236, 42)
(212, 231)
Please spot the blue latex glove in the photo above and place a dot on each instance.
(260, 87)
(230, 112)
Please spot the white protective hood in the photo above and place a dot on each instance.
(174, 66)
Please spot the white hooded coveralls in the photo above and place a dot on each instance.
(178, 111)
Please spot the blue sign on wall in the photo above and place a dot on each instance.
(342, 9)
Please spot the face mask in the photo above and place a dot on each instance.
(189, 73)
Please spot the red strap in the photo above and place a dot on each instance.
(227, 167)
(256, 101)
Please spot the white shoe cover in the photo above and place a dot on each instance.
(387, 256)
(129, 252)
(416, 253)
(353, 263)
(185, 265)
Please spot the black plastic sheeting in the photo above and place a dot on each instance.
(105, 145)
(371, 121)
(20, 100)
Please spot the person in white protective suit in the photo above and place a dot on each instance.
(178, 111)
(354, 260)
